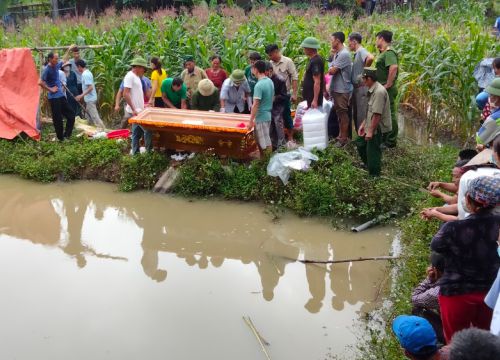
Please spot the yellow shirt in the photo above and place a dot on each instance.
(159, 78)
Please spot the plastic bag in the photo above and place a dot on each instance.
(282, 164)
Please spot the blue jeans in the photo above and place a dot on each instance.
(137, 132)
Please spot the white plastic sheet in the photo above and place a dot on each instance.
(282, 164)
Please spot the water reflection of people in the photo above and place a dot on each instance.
(74, 210)
(316, 274)
(152, 237)
(350, 283)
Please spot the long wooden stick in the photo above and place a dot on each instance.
(374, 258)
(249, 322)
(47, 48)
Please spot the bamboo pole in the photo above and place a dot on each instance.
(47, 48)
(373, 258)
(261, 341)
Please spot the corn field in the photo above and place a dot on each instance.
(437, 51)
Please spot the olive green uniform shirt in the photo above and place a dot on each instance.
(384, 61)
(205, 103)
(378, 103)
(193, 79)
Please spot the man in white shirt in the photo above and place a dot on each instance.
(134, 97)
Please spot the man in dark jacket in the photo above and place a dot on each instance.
(277, 131)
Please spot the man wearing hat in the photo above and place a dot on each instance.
(134, 97)
(417, 338)
(377, 123)
(235, 94)
(313, 84)
(174, 93)
(191, 76)
(491, 126)
(71, 86)
(206, 98)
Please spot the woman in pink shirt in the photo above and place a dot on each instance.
(215, 73)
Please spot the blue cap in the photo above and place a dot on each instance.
(414, 333)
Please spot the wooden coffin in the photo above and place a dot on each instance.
(199, 131)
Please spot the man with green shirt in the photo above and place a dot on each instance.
(378, 122)
(174, 93)
(262, 106)
(252, 80)
(387, 75)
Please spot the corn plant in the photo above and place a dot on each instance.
(438, 50)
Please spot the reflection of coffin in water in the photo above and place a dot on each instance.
(191, 130)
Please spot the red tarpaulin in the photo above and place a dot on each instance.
(19, 93)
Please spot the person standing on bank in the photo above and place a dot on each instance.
(58, 103)
(89, 95)
(314, 77)
(362, 59)
(387, 75)
(71, 85)
(191, 76)
(378, 121)
(284, 67)
(157, 76)
(277, 132)
(253, 57)
(215, 73)
(134, 97)
(76, 57)
(260, 116)
(341, 86)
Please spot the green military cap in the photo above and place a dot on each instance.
(494, 87)
(188, 58)
(370, 72)
(310, 43)
(237, 76)
(138, 61)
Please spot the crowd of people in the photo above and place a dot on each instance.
(264, 89)
(458, 301)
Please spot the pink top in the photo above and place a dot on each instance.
(217, 78)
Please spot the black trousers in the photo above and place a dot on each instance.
(60, 108)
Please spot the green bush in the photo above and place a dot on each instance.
(141, 171)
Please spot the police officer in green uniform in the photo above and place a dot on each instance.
(387, 75)
(377, 123)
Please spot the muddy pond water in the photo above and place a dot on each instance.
(91, 273)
